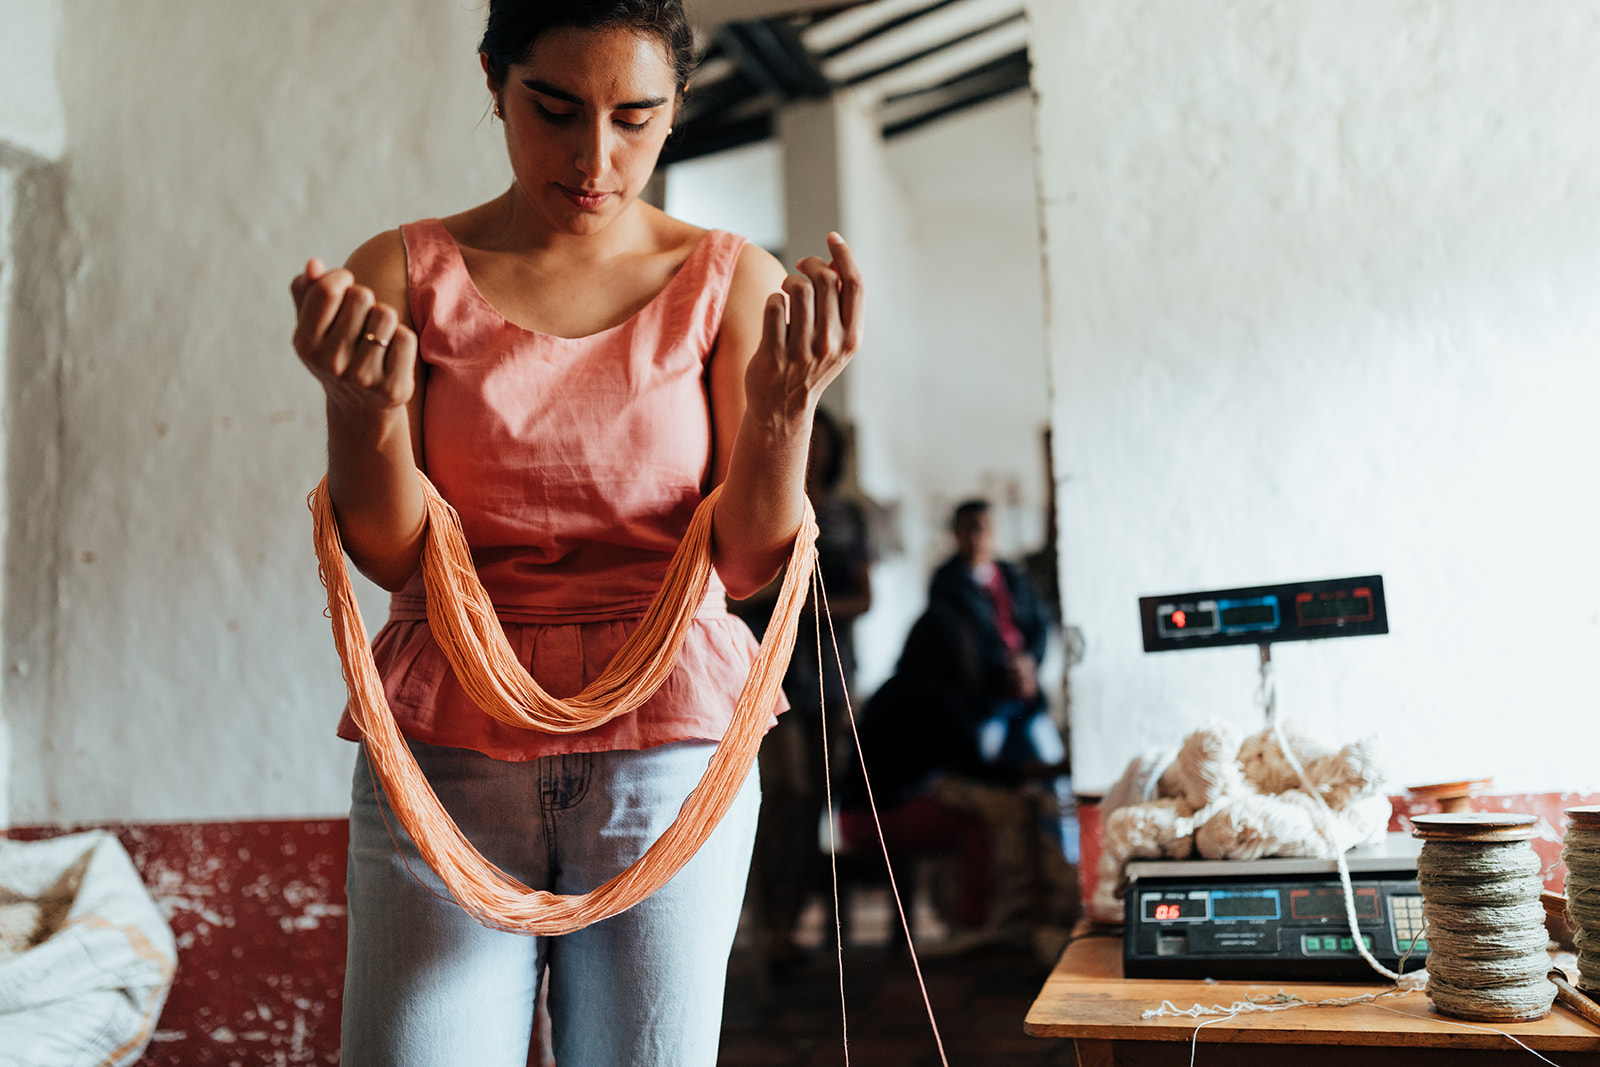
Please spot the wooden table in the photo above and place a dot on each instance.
(1087, 999)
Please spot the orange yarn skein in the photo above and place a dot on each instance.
(464, 624)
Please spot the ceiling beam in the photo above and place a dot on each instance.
(938, 65)
(846, 30)
(772, 56)
(1001, 78)
(927, 32)
(709, 14)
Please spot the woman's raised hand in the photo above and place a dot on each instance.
(809, 332)
(353, 344)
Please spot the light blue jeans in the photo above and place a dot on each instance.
(427, 985)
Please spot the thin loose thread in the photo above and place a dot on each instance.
(1581, 853)
(817, 599)
(1487, 946)
(1281, 1001)
(1331, 825)
(866, 780)
(464, 624)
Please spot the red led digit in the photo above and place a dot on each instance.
(1166, 911)
(1179, 619)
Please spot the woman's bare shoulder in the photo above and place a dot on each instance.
(756, 275)
(379, 263)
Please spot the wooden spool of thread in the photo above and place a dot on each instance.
(1451, 796)
(1581, 853)
(1487, 946)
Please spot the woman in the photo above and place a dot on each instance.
(574, 370)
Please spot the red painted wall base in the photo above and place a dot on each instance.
(258, 911)
(1549, 807)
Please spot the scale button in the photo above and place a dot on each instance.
(1330, 943)
(1347, 943)
(1309, 944)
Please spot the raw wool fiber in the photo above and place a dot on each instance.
(21, 922)
(1159, 829)
(1139, 783)
(464, 624)
(1223, 799)
(1204, 770)
(28, 918)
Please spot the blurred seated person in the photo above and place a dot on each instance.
(786, 860)
(1009, 624)
(917, 731)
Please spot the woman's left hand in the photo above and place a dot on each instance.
(809, 332)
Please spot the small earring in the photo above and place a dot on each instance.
(497, 113)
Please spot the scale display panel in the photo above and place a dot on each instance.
(1270, 919)
(1294, 611)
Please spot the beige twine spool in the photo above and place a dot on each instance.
(1581, 853)
(1488, 950)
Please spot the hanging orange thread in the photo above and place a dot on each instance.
(464, 624)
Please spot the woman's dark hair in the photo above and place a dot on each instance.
(966, 511)
(514, 25)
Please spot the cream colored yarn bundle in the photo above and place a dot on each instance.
(1222, 798)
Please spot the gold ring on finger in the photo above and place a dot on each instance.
(374, 339)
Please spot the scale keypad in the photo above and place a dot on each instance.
(1408, 926)
(1312, 944)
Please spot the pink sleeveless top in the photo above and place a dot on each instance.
(575, 464)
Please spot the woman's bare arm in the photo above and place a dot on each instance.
(776, 354)
(353, 332)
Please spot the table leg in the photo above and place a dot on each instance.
(1093, 1053)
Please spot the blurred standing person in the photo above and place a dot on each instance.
(793, 768)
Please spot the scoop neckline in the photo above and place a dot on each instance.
(477, 294)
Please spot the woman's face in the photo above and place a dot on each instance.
(585, 119)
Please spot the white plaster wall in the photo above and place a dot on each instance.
(187, 670)
(740, 190)
(30, 104)
(8, 185)
(983, 404)
(1323, 282)
(32, 135)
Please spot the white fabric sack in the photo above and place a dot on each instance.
(90, 993)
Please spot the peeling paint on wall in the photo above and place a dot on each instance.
(258, 912)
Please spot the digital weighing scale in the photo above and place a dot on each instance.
(1273, 918)
(1265, 614)
(1279, 917)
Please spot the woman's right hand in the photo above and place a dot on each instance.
(355, 345)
